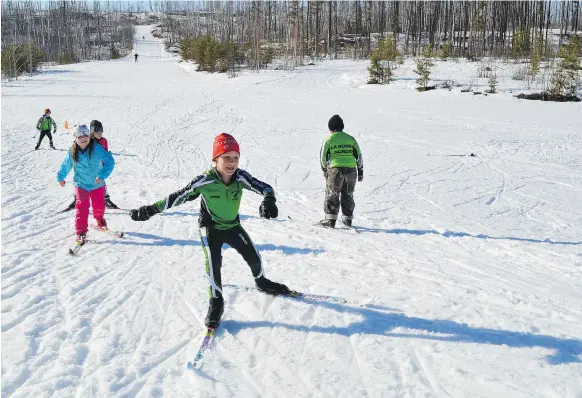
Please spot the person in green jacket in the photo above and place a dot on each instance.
(221, 188)
(44, 125)
(342, 163)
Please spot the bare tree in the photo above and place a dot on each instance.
(67, 31)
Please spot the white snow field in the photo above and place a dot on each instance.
(475, 262)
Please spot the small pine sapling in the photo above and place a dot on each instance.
(423, 69)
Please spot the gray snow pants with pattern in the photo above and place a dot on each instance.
(339, 190)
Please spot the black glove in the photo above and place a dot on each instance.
(360, 175)
(268, 208)
(143, 213)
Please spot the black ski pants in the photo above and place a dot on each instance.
(42, 134)
(212, 240)
(339, 191)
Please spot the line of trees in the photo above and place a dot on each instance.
(529, 31)
(61, 32)
(352, 28)
(298, 31)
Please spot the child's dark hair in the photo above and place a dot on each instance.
(75, 150)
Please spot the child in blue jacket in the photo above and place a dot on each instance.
(92, 164)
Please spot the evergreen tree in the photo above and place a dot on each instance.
(535, 59)
(383, 61)
(446, 51)
(492, 83)
(21, 58)
(423, 69)
(566, 77)
(520, 44)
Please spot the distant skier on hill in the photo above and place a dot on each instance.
(221, 188)
(44, 125)
(135, 55)
(342, 163)
(96, 129)
(91, 164)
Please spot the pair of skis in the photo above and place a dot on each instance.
(308, 296)
(72, 208)
(79, 244)
(343, 228)
(196, 363)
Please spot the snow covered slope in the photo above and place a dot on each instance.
(475, 262)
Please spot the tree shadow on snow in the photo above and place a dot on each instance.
(448, 234)
(56, 72)
(242, 217)
(384, 323)
(123, 154)
(178, 213)
(288, 249)
(156, 240)
(405, 78)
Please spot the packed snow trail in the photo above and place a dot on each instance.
(475, 262)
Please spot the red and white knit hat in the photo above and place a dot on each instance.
(224, 143)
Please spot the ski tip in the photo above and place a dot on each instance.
(71, 252)
(196, 364)
(197, 367)
(367, 301)
(194, 367)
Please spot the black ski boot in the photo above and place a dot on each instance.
(109, 204)
(327, 223)
(215, 310)
(347, 221)
(72, 205)
(81, 238)
(267, 286)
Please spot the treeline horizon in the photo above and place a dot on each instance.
(473, 28)
(61, 32)
(71, 31)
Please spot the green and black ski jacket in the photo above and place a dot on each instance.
(341, 150)
(45, 123)
(220, 202)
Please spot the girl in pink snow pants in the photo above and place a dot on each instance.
(92, 164)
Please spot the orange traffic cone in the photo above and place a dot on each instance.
(66, 125)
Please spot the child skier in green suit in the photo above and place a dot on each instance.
(44, 126)
(221, 189)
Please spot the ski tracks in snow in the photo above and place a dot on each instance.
(480, 243)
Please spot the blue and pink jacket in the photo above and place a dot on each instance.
(100, 164)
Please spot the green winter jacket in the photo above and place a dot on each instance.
(45, 123)
(341, 150)
(220, 202)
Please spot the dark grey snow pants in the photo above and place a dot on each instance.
(339, 191)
